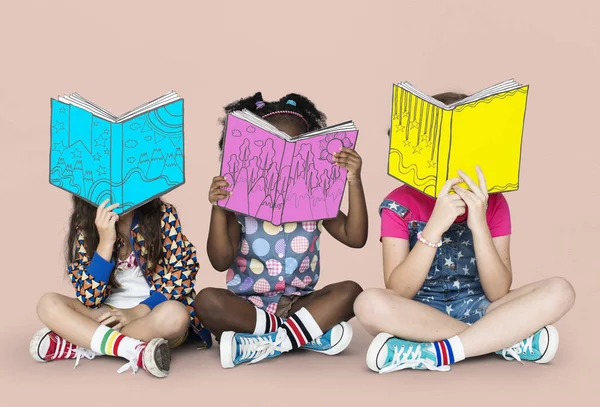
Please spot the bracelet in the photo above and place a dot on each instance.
(428, 243)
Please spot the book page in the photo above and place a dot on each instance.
(489, 132)
(417, 127)
(77, 100)
(282, 181)
(251, 164)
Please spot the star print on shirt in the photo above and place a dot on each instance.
(447, 240)
(456, 284)
(467, 243)
(449, 309)
(470, 292)
(466, 270)
(472, 260)
(393, 206)
(448, 262)
(460, 255)
(467, 313)
(467, 302)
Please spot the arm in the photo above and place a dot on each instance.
(352, 229)
(90, 276)
(223, 238)
(405, 270)
(175, 274)
(492, 254)
(493, 263)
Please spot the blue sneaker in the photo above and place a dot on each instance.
(539, 347)
(334, 341)
(237, 348)
(387, 354)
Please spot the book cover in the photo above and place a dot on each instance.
(130, 159)
(279, 179)
(431, 141)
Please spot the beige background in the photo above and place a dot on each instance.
(122, 54)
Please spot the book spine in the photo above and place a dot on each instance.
(444, 140)
(287, 158)
(116, 165)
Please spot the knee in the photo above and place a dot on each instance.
(209, 301)
(48, 303)
(370, 303)
(561, 292)
(172, 317)
(349, 291)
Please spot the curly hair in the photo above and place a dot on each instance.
(315, 119)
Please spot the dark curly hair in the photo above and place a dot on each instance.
(299, 104)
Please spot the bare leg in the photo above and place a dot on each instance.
(73, 321)
(381, 310)
(523, 312)
(221, 310)
(330, 305)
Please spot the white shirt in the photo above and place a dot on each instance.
(133, 286)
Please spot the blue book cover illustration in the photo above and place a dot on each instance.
(129, 159)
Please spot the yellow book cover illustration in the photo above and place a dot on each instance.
(431, 141)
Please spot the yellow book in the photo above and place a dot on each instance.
(431, 141)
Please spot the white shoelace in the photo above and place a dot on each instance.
(259, 348)
(66, 348)
(518, 349)
(407, 359)
(83, 353)
(133, 362)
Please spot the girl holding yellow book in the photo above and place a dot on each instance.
(448, 274)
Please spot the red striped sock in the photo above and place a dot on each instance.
(301, 328)
(266, 322)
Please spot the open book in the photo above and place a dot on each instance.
(431, 141)
(129, 159)
(280, 179)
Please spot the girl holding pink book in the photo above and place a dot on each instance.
(271, 305)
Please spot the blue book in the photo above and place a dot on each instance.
(128, 159)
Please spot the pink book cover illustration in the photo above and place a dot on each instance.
(280, 179)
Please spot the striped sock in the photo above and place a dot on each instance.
(301, 329)
(449, 351)
(266, 322)
(109, 342)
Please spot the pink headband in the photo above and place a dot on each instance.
(288, 112)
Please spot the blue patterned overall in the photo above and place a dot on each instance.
(452, 284)
(275, 260)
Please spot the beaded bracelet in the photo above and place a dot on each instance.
(428, 243)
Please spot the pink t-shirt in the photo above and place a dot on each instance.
(421, 206)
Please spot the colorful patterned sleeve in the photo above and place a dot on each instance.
(89, 276)
(175, 274)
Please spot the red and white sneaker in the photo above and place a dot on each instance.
(47, 346)
(154, 357)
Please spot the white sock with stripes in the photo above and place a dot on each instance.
(266, 322)
(301, 329)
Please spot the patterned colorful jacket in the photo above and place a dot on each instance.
(173, 277)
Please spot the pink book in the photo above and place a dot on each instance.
(281, 179)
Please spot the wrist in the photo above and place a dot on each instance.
(355, 180)
(481, 229)
(105, 249)
(141, 310)
(432, 234)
